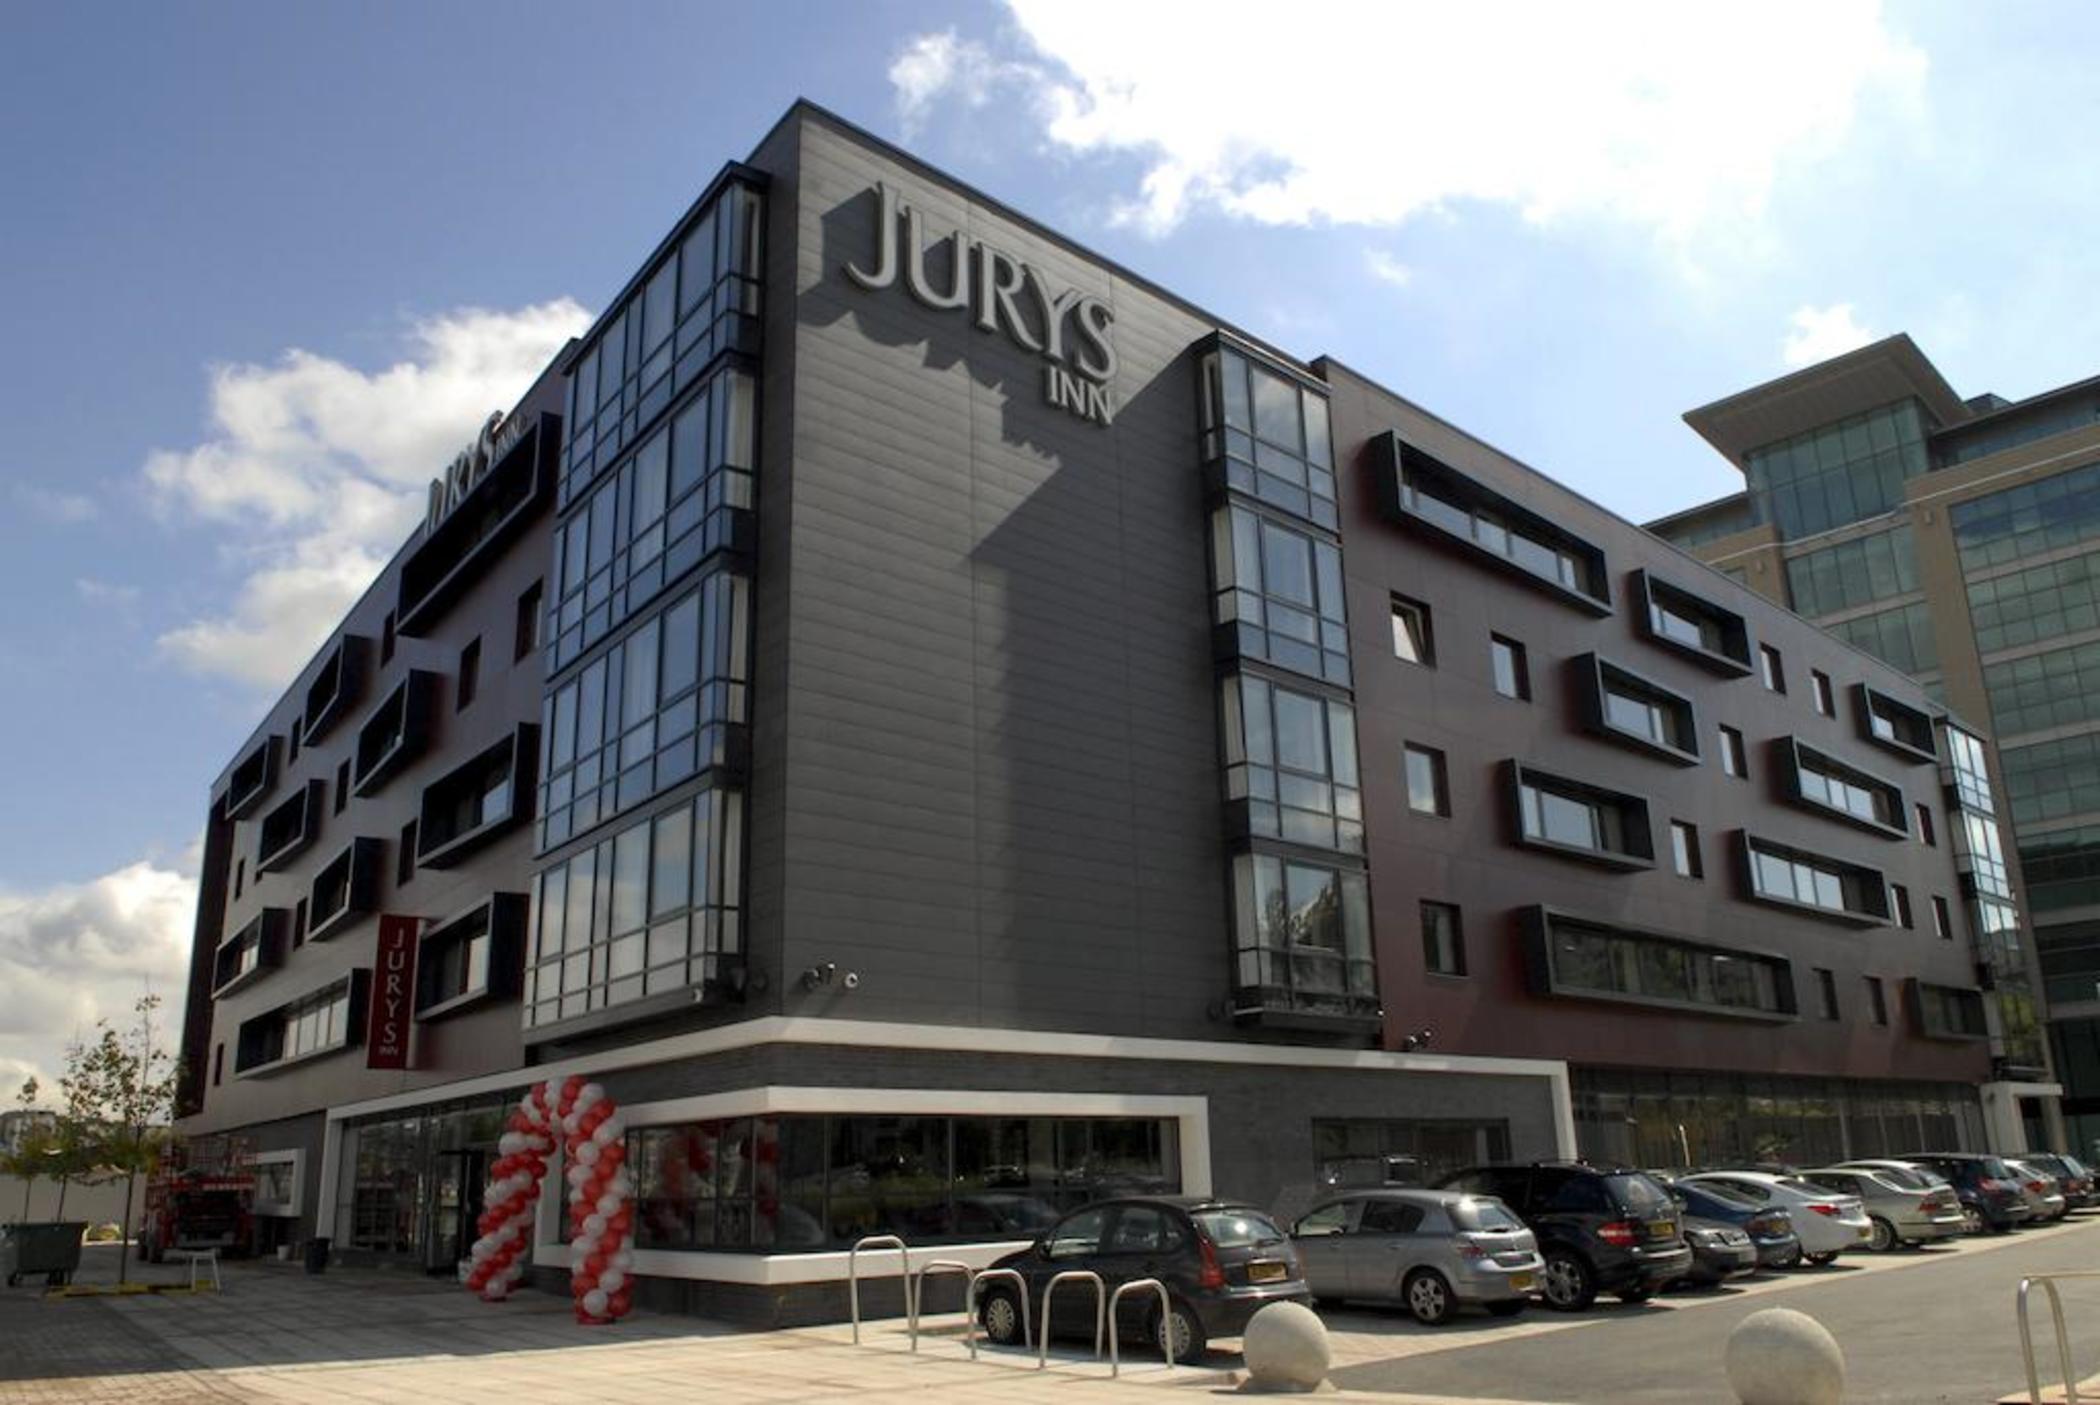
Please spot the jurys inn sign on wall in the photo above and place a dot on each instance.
(1067, 328)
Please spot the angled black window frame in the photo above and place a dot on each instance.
(1894, 725)
(252, 777)
(1946, 1012)
(338, 686)
(395, 733)
(1826, 785)
(1419, 490)
(251, 953)
(1622, 706)
(287, 830)
(514, 490)
(478, 800)
(1688, 623)
(1800, 880)
(473, 958)
(1570, 955)
(1549, 811)
(317, 1025)
(345, 889)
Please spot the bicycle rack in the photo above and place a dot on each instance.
(2048, 1282)
(1100, 1310)
(1166, 1326)
(871, 1242)
(970, 1306)
(918, 1292)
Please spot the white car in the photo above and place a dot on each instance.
(1828, 1223)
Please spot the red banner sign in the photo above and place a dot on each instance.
(391, 1018)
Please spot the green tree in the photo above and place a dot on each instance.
(120, 1096)
(26, 1159)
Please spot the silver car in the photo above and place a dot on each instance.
(1905, 1206)
(1432, 1250)
(2041, 1190)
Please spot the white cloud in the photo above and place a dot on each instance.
(945, 65)
(1387, 269)
(320, 467)
(75, 953)
(1670, 116)
(121, 597)
(63, 508)
(1819, 333)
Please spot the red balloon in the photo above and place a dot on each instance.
(619, 1301)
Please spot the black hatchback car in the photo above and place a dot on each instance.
(1221, 1262)
(1600, 1230)
(1988, 1189)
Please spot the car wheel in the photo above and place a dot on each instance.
(1567, 1283)
(1186, 1329)
(1828, 1256)
(1428, 1297)
(1000, 1316)
(1511, 1308)
(1999, 1226)
(1884, 1239)
(1637, 1295)
(1971, 1220)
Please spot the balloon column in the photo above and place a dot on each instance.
(601, 1216)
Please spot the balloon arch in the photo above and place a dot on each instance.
(601, 1212)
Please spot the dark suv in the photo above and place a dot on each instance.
(1600, 1229)
(1221, 1262)
(1988, 1189)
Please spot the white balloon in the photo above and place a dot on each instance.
(608, 1204)
(511, 1143)
(594, 1225)
(605, 1134)
(611, 1279)
(594, 1302)
(587, 1154)
(623, 1260)
(617, 1123)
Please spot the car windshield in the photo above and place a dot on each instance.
(1485, 1214)
(1639, 1193)
(1727, 1197)
(1803, 1187)
(1238, 1229)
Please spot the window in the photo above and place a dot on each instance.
(251, 778)
(1877, 1000)
(299, 923)
(1901, 637)
(396, 733)
(1412, 641)
(256, 948)
(1896, 725)
(1826, 983)
(240, 874)
(1588, 821)
(386, 640)
(1390, 1217)
(1832, 787)
(1702, 630)
(1684, 850)
(405, 855)
(1845, 471)
(1854, 573)
(1772, 668)
(1375, 1150)
(338, 684)
(291, 746)
(342, 786)
(1942, 921)
(1328, 1219)
(1899, 898)
(1279, 594)
(1290, 758)
(653, 908)
(1427, 793)
(317, 1024)
(1303, 932)
(1825, 699)
(469, 673)
(527, 628)
(478, 800)
(1925, 830)
(1266, 435)
(1794, 878)
(1734, 759)
(1443, 940)
(1948, 1012)
(1594, 959)
(1512, 668)
(218, 1062)
(286, 831)
(471, 957)
(1625, 708)
(345, 889)
(1423, 492)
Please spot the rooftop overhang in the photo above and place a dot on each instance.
(1889, 370)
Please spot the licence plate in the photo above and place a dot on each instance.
(1662, 1229)
(1266, 1272)
(1522, 1282)
(1865, 1232)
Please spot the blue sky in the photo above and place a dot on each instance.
(266, 265)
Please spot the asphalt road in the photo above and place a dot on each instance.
(1932, 1325)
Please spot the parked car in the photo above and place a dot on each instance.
(1903, 1206)
(2072, 1175)
(1991, 1197)
(1599, 1230)
(2043, 1195)
(1221, 1262)
(1770, 1227)
(1828, 1223)
(1720, 1252)
(1432, 1251)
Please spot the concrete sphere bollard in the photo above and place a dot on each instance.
(1286, 1348)
(1783, 1357)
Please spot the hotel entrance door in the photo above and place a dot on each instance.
(455, 1206)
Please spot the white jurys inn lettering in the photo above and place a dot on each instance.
(498, 436)
(1002, 294)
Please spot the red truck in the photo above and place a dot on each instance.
(201, 1196)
